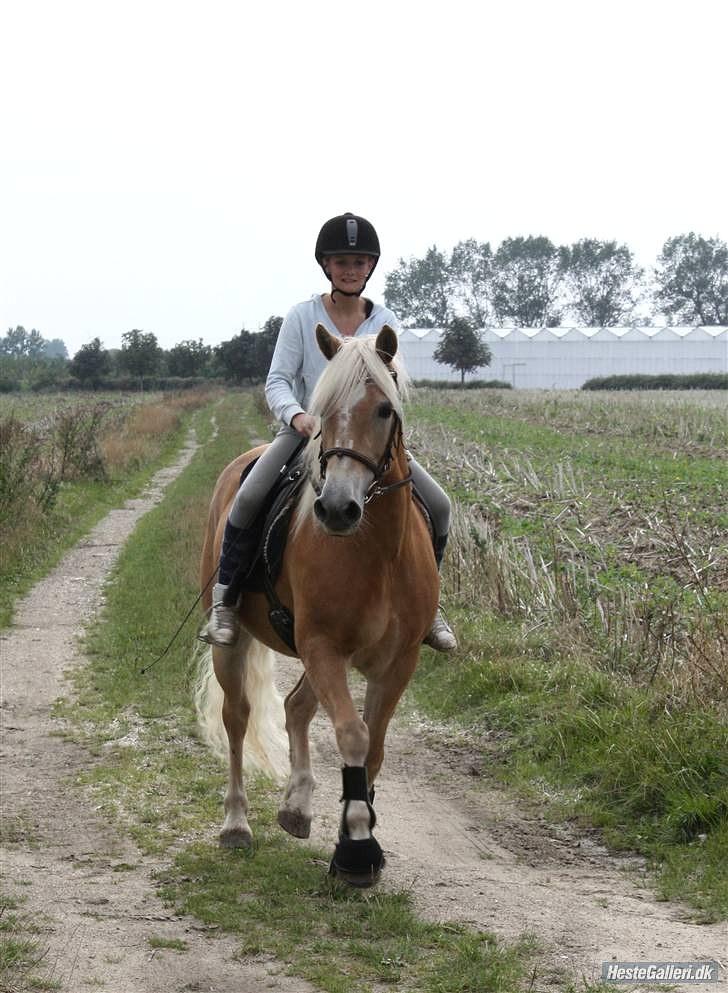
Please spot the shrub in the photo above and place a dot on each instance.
(471, 384)
(665, 381)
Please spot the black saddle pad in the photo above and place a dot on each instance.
(272, 526)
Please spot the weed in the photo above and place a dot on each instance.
(22, 955)
(174, 944)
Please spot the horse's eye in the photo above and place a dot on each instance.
(384, 410)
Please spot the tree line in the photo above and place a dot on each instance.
(28, 360)
(530, 282)
(525, 282)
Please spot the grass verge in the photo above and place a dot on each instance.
(603, 754)
(280, 901)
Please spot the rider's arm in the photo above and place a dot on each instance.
(285, 370)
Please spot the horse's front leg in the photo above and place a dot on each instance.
(296, 810)
(358, 858)
(229, 666)
(382, 696)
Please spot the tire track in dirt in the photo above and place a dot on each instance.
(82, 880)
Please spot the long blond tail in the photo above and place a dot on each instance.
(266, 742)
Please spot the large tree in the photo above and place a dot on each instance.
(247, 356)
(188, 358)
(418, 291)
(601, 282)
(526, 279)
(90, 363)
(692, 279)
(55, 349)
(462, 348)
(140, 353)
(470, 273)
(19, 343)
(265, 343)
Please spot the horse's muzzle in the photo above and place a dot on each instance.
(338, 517)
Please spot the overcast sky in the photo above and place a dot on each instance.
(167, 165)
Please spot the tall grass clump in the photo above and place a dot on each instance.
(63, 465)
(136, 440)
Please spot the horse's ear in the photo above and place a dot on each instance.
(387, 344)
(327, 342)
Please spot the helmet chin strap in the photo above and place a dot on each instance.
(345, 293)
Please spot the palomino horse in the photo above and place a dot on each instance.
(360, 578)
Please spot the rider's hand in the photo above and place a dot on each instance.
(304, 424)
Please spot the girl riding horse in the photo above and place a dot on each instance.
(347, 249)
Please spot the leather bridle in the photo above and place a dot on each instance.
(379, 469)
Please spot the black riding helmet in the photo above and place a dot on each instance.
(347, 234)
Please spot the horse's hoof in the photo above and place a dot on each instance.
(358, 863)
(236, 838)
(294, 822)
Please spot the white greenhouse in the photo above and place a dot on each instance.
(565, 358)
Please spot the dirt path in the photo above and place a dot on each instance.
(86, 885)
(465, 850)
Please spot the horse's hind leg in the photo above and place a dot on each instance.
(296, 810)
(230, 672)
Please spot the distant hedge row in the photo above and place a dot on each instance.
(471, 384)
(695, 381)
(124, 384)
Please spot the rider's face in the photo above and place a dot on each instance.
(348, 272)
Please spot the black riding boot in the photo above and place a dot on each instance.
(238, 547)
(441, 637)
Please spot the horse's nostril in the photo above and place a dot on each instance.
(319, 509)
(352, 512)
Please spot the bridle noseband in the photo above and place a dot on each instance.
(379, 469)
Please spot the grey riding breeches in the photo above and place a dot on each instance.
(261, 478)
(259, 482)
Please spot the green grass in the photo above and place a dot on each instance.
(23, 956)
(629, 738)
(634, 469)
(280, 901)
(172, 944)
